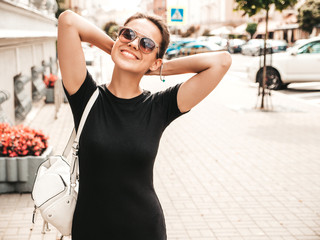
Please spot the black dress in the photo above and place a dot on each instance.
(118, 146)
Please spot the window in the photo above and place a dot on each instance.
(313, 47)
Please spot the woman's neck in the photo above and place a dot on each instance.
(125, 84)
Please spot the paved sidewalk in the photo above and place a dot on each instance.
(224, 170)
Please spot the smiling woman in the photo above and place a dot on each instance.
(120, 140)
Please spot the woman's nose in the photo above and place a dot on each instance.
(134, 44)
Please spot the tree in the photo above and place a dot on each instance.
(189, 32)
(111, 28)
(252, 7)
(251, 28)
(309, 15)
(60, 10)
(206, 32)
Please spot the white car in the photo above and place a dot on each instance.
(299, 64)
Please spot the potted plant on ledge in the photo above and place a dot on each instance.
(22, 149)
(50, 80)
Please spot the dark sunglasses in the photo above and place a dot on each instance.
(146, 45)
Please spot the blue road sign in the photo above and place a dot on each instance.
(177, 14)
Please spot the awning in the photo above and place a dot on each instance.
(272, 25)
(240, 30)
(287, 27)
(225, 30)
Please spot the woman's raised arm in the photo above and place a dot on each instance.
(210, 69)
(72, 30)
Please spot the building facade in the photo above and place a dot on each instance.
(28, 32)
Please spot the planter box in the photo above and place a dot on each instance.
(50, 95)
(17, 174)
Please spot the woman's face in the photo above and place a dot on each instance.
(129, 57)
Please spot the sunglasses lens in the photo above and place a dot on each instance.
(127, 35)
(147, 45)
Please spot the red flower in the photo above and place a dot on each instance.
(21, 141)
(50, 80)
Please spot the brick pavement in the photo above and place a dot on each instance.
(224, 171)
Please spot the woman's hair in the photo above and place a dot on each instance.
(161, 26)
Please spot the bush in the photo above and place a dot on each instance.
(21, 141)
(111, 28)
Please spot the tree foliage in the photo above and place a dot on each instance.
(252, 7)
(111, 28)
(60, 10)
(191, 30)
(309, 15)
(251, 28)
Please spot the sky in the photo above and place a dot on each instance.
(119, 4)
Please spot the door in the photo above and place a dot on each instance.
(304, 65)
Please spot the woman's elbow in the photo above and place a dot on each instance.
(65, 18)
(226, 59)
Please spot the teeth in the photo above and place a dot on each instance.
(130, 55)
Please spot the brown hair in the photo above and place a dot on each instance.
(161, 26)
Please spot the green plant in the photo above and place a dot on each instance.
(251, 28)
(111, 28)
(113, 31)
(309, 15)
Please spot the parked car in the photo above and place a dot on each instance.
(278, 45)
(298, 42)
(174, 48)
(299, 64)
(199, 47)
(254, 47)
(235, 45)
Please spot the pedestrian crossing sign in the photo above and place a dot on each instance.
(176, 15)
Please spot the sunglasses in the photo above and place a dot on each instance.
(127, 35)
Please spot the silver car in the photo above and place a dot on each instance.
(254, 47)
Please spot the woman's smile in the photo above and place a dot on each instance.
(128, 54)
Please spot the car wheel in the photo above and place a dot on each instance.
(273, 79)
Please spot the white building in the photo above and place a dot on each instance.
(27, 50)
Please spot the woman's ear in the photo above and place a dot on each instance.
(156, 65)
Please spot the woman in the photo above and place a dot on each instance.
(120, 140)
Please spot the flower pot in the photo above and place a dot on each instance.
(22, 169)
(49, 95)
(20, 172)
(12, 169)
(3, 174)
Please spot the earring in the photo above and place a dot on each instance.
(161, 78)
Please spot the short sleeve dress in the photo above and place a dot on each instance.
(118, 147)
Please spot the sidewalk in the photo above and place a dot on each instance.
(224, 171)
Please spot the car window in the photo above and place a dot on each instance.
(313, 47)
